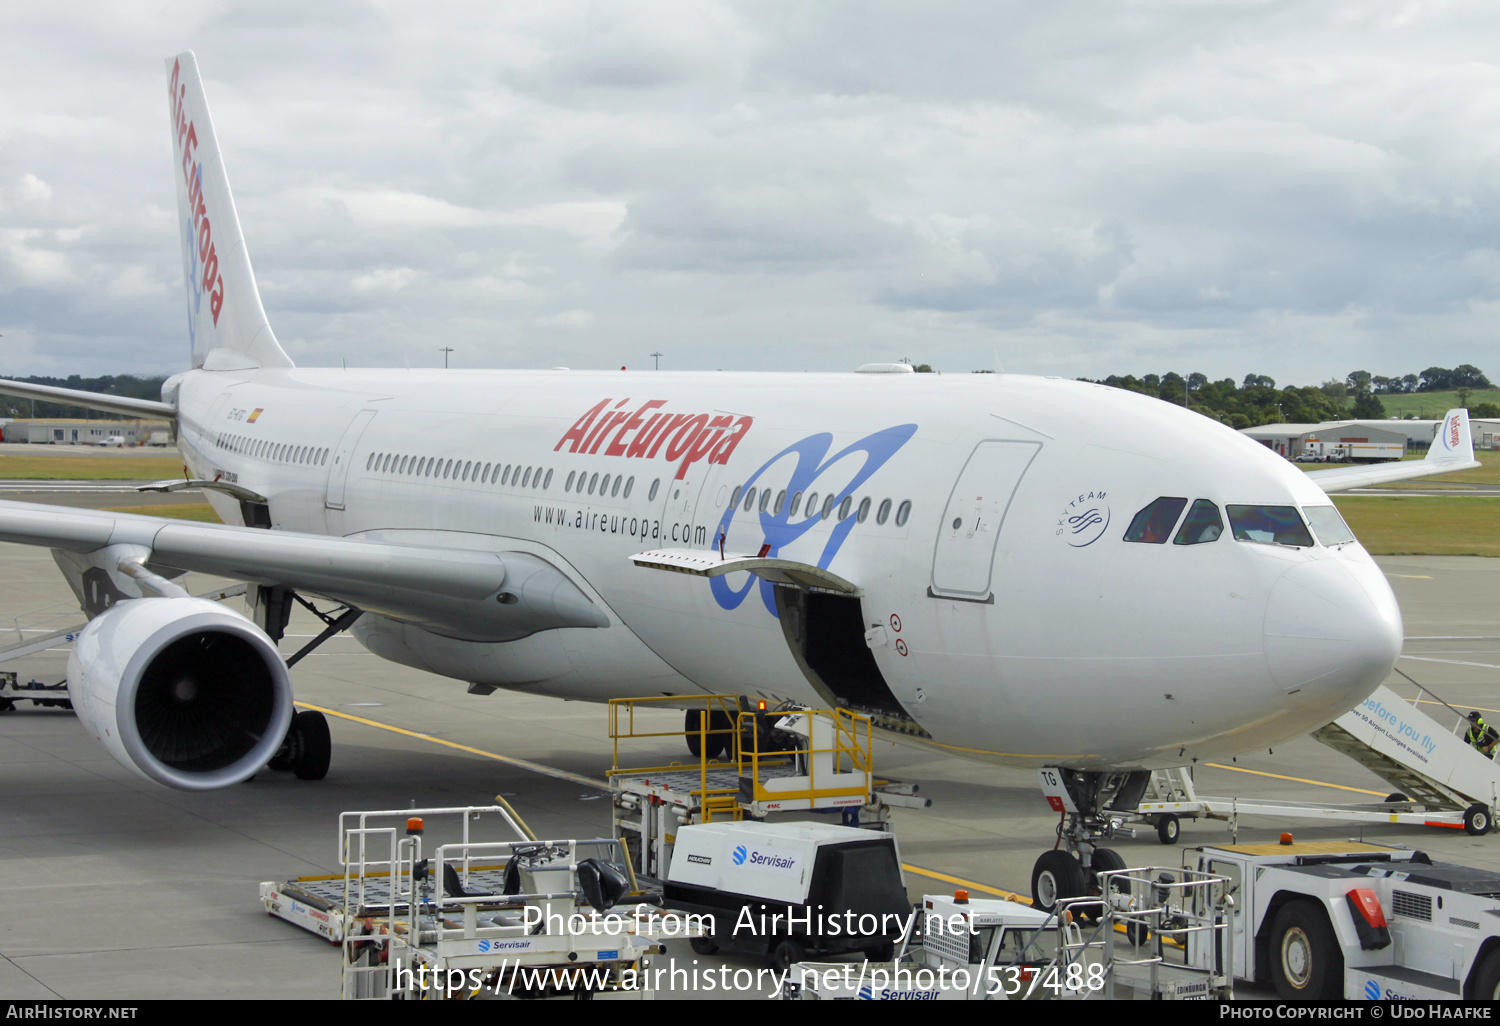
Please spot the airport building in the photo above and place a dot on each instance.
(77, 431)
(1290, 439)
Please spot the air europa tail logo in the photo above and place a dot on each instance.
(647, 432)
(210, 280)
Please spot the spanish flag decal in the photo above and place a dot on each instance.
(256, 413)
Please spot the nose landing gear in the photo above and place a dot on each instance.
(1092, 805)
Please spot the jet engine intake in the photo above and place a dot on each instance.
(184, 691)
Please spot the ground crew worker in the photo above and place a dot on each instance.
(1481, 736)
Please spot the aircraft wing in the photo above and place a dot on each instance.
(1452, 449)
(460, 593)
(120, 404)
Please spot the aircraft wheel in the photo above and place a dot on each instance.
(1055, 876)
(692, 723)
(311, 747)
(787, 954)
(1167, 828)
(1395, 796)
(1306, 963)
(702, 945)
(1477, 820)
(720, 745)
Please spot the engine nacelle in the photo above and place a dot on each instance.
(182, 690)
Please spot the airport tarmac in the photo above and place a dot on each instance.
(115, 887)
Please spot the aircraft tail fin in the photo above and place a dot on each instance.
(226, 322)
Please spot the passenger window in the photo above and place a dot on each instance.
(467, 467)
(883, 512)
(370, 462)
(526, 481)
(616, 489)
(604, 486)
(828, 506)
(1269, 525)
(796, 501)
(651, 495)
(1328, 525)
(734, 497)
(1203, 524)
(903, 513)
(629, 484)
(547, 482)
(845, 506)
(1153, 525)
(812, 505)
(448, 470)
(572, 474)
(765, 499)
(506, 479)
(864, 510)
(593, 483)
(749, 499)
(780, 503)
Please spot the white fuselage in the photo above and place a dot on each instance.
(1029, 634)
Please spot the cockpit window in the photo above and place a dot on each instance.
(1203, 524)
(1153, 525)
(1328, 525)
(1269, 525)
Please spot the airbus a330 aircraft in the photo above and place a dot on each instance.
(1025, 571)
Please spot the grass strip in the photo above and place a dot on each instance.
(88, 468)
(1423, 525)
(200, 511)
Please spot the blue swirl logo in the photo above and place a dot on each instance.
(1372, 990)
(1084, 519)
(739, 855)
(777, 527)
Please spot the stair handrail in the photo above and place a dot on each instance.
(1424, 689)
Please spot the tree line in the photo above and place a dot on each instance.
(1256, 400)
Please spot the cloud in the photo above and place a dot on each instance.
(1225, 187)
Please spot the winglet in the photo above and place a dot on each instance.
(226, 323)
(1452, 449)
(1453, 442)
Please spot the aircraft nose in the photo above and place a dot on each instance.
(1332, 633)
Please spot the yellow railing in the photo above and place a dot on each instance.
(852, 747)
(622, 726)
(851, 750)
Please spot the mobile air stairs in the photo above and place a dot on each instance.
(1439, 779)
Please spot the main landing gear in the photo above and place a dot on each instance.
(308, 748)
(1092, 805)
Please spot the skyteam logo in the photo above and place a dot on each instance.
(1372, 990)
(1084, 519)
(780, 527)
(739, 855)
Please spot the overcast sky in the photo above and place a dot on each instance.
(1294, 189)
